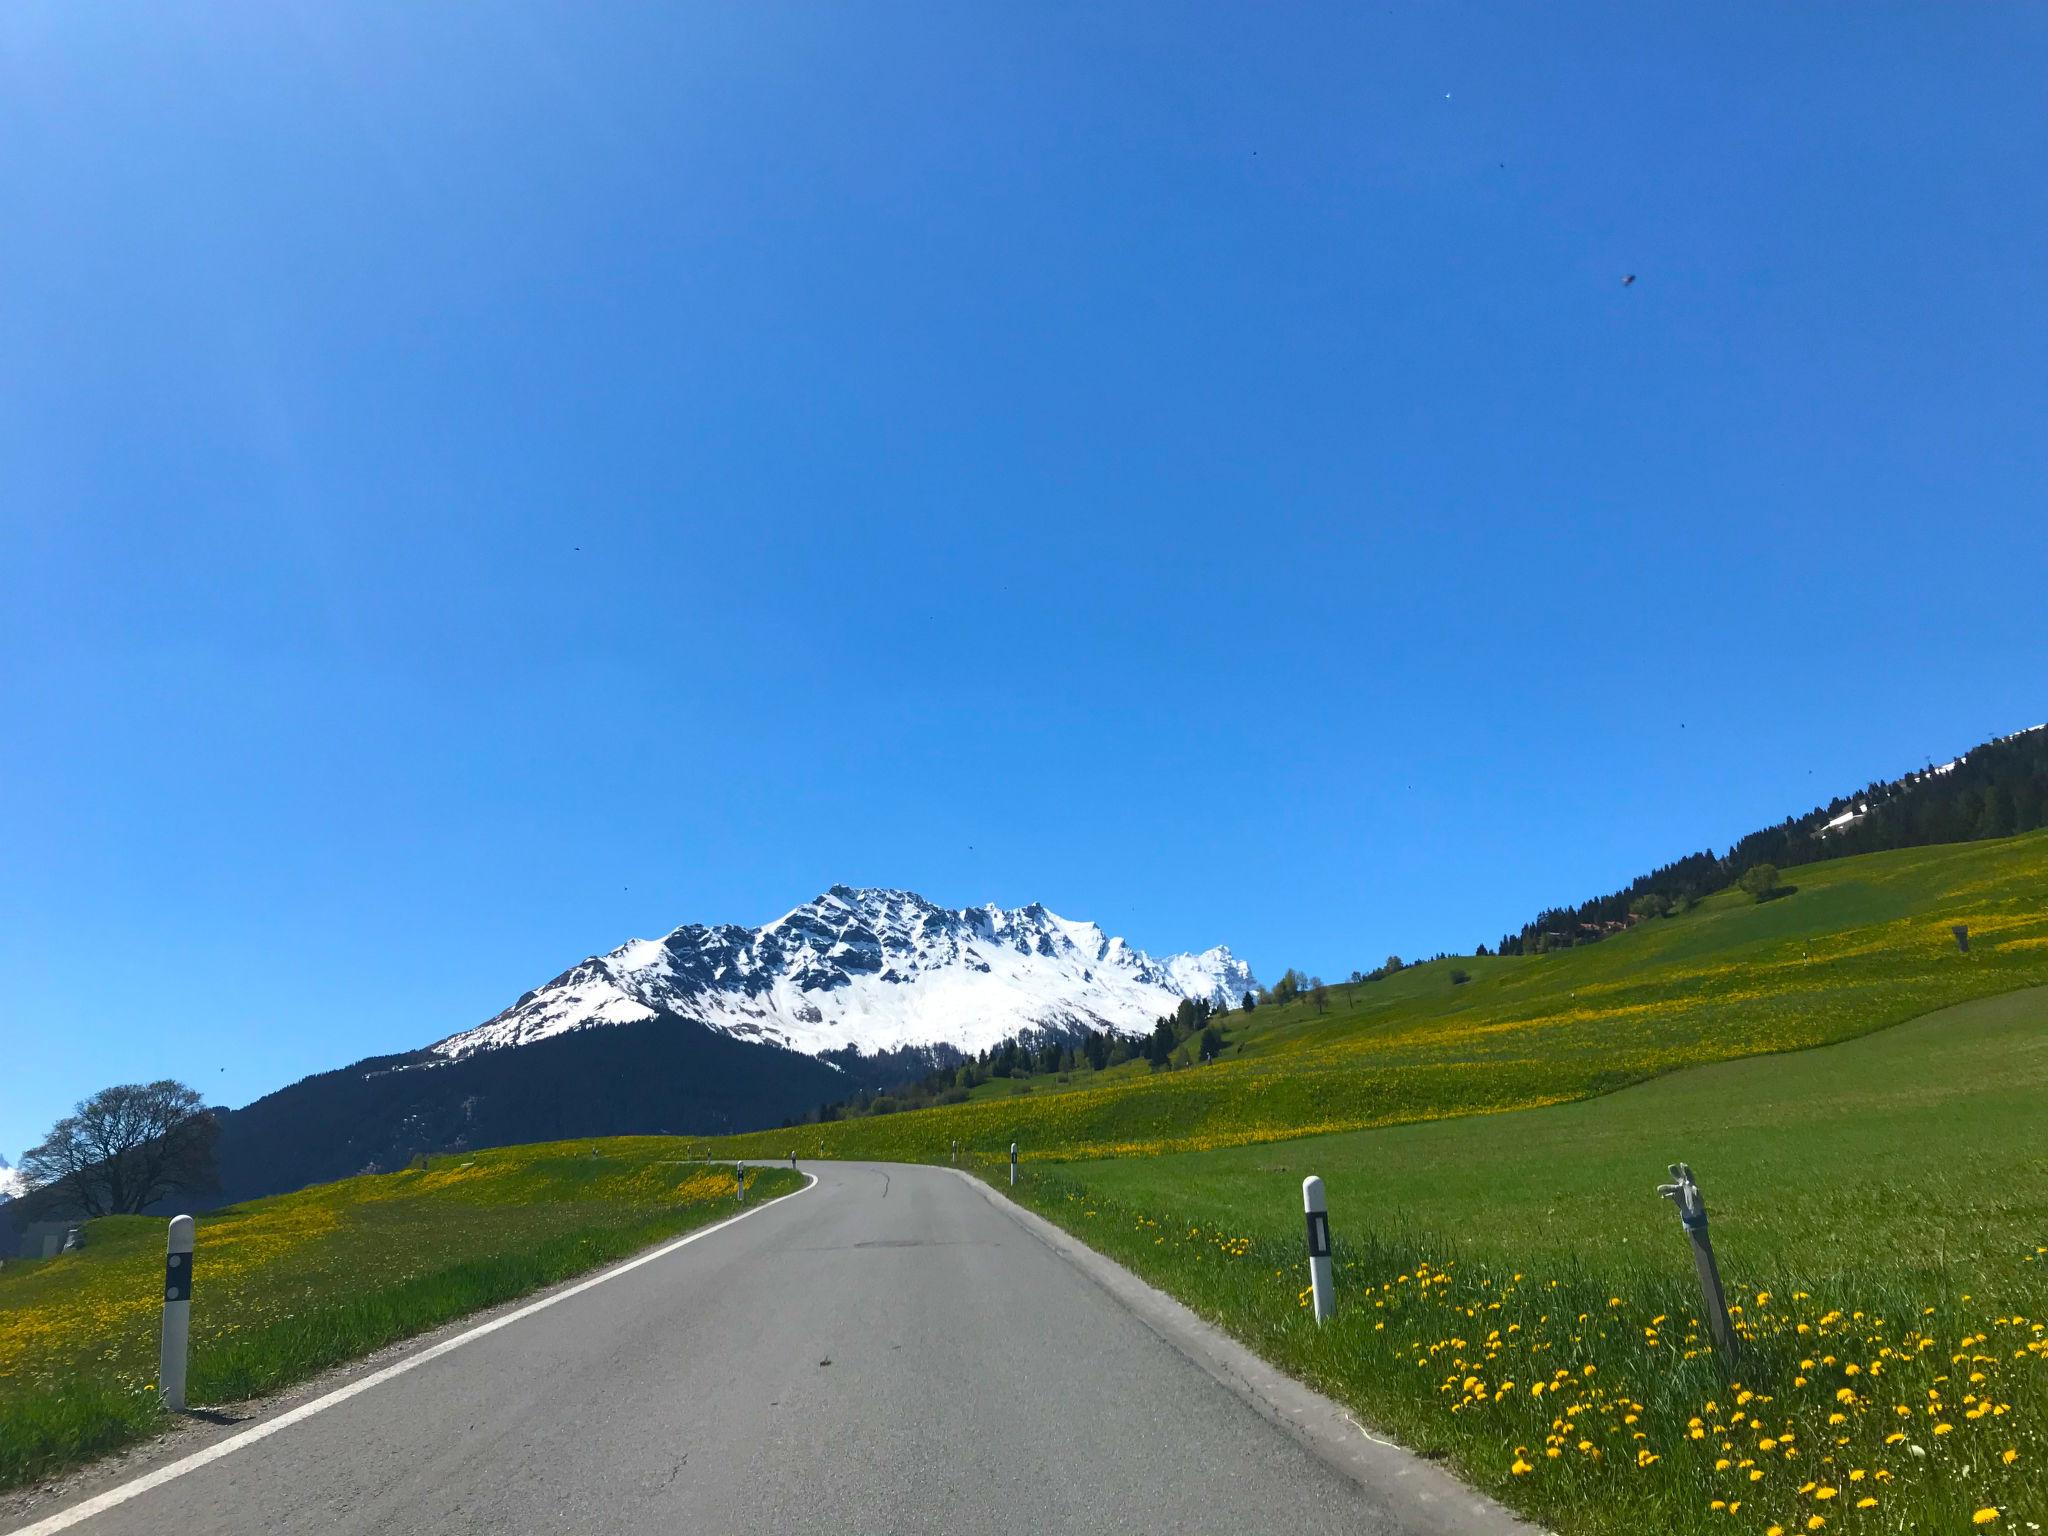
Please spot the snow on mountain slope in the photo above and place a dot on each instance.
(876, 970)
(10, 1181)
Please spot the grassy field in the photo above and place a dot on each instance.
(1860, 944)
(1515, 1298)
(288, 1286)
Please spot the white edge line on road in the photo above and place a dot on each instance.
(99, 1503)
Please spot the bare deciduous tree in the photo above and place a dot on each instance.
(126, 1147)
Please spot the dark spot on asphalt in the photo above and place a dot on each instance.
(824, 1362)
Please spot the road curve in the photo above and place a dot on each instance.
(889, 1351)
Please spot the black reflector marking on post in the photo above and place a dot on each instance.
(1318, 1234)
(178, 1277)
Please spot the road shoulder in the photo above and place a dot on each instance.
(1410, 1489)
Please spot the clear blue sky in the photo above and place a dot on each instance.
(478, 483)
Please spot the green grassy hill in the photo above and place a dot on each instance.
(1921, 1148)
(1859, 944)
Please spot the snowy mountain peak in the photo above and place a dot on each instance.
(10, 1182)
(876, 970)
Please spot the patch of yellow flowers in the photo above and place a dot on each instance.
(1842, 1418)
(1870, 1410)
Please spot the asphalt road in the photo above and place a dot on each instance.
(889, 1351)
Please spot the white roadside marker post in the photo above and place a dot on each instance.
(792, 1157)
(739, 1173)
(170, 1365)
(1013, 1164)
(1692, 1217)
(1317, 1209)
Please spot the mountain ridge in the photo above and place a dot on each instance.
(874, 970)
(715, 1029)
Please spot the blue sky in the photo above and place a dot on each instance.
(480, 483)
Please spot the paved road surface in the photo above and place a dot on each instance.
(977, 1381)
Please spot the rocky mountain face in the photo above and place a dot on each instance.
(871, 971)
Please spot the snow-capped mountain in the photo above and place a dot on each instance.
(876, 970)
(10, 1181)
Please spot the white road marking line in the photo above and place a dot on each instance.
(1375, 1439)
(63, 1519)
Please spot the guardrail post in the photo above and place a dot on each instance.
(170, 1365)
(1013, 1163)
(1692, 1217)
(1317, 1209)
